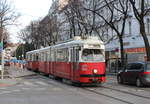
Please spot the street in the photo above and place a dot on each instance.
(59, 51)
(38, 89)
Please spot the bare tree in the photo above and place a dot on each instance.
(117, 11)
(7, 16)
(81, 21)
(140, 12)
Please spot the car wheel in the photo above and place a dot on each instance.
(120, 80)
(138, 82)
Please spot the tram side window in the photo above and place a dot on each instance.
(27, 57)
(45, 56)
(62, 55)
(33, 57)
(52, 55)
(66, 54)
(42, 56)
(30, 57)
(36, 57)
(77, 54)
(39, 57)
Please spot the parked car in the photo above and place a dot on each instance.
(137, 73)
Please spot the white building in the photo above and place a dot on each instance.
(133, 41)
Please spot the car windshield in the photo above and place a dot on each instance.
(148, 66)
(93, 55)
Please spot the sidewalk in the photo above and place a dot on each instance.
(13, 75)
(15, 72)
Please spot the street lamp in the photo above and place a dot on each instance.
(22, 56)
(2, 51)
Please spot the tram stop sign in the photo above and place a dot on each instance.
(1, 46)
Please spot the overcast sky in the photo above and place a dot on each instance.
(29, 10)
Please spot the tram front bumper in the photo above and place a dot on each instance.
(93, 78)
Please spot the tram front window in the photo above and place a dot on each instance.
(93, 55)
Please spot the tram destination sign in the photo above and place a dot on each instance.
(92, 46)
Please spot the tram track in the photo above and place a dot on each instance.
(89, 90)
(126, 92)
(134, 87)
(106, 95)
(97, 91)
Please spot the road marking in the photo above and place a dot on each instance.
(29, 83)
(41, 83)
(16, 90)
(140, 90)
(56, 89)
(40, 89)
(123, 90)
(3, 88)
(5, 92)
(20, 85)
(25, 88)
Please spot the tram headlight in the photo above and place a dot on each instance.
(95, 71)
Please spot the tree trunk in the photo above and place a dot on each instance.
(121, 51)
(146, 42)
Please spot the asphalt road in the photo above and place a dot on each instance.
(42, 90)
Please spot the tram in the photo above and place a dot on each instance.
(78, 60)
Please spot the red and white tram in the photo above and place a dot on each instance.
(79, 60)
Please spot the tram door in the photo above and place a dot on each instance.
(74, 62)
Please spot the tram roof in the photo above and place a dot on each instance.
(77, 41)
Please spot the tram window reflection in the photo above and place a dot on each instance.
(93, 55)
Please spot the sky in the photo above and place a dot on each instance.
(29, 10)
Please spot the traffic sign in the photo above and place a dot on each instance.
(1, 46)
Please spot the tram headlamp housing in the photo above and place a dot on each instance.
(95, 71)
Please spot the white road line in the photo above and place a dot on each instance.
(29, 83)
(5, 92)
(16, 90)
(25, 88)
(40, 89)
(56, 89)
(20, 85)
(2, 88)
(41, 83)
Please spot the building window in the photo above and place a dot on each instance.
(140, 3)
(147, 2)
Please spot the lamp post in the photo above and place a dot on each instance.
(22, 56)
(2, 52)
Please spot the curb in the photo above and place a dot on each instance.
(8, 82)
(25, 75)
(113, 74)
(19, 76)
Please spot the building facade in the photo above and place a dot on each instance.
(134, 46)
